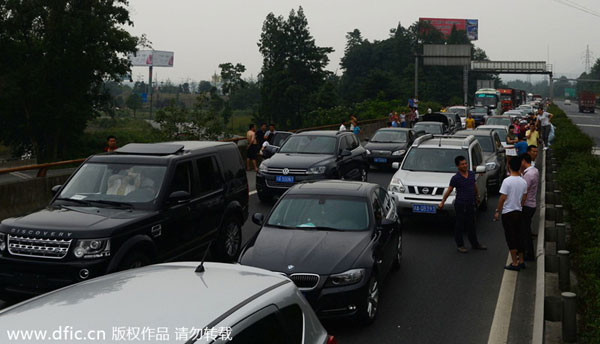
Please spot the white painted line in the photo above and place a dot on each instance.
(589, 125)
(502, 314)
(252, 192)
(21, 175)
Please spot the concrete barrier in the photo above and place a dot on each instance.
(23, 197)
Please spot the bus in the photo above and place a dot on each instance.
(490, 98)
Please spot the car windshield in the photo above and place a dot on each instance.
(486, 143)
(429, 128)
(279, 138)
(391, 136)
(459, 111)
(480, 110)
(115, 183)
(499, 121)
(309, 144)
(432, 159)
(321, 213)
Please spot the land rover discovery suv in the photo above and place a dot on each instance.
(419, 184)
(312, 155)
(144, 203)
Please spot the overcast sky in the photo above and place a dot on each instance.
(204, 34)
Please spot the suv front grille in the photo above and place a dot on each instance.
(291, 171)
(426, 190)
(381, 152)
(38, 247)
(305, 281)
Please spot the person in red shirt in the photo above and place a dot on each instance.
(111, 144)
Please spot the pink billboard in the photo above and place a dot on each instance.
(445, 25)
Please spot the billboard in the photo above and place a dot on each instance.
(154, 58)
(471, 26)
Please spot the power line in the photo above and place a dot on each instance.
(577, 6)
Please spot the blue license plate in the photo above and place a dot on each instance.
(284, 179)
(424, 208)
(381, 160)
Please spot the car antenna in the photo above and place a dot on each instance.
(200, 268)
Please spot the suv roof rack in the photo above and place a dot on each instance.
(467, 139)
(150, 148)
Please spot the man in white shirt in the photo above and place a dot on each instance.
(513, 194)
(544, 121)
(343, 126)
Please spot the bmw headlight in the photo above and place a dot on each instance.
(2, 242)
(262, 168)
(399, 152)
(92, 248)
(368, 152)
(316, 170)
(396, 186)
(345, 278)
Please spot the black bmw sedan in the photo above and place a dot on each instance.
(336, 240)
(389, 145)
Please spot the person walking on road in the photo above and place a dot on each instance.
(513, 193)
(511, 138)
(470, 122)
(253, 147)
(532, 135)
(270, 135)
(356, 128)
(531, 176)
(467, 197)
(544, 119)
(521, 146)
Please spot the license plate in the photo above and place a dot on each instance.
(284, 179)
(424, 208)
(381, 160)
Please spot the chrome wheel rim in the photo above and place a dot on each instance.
(373, 299)
(232, 240)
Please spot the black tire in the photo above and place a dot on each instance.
(398, 259)
(367, 311)
(228, 245)
(264, 197)
(133, 260)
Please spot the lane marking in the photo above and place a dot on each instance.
(589, 125)
(502, 314)
(21, 175)
(252, 192)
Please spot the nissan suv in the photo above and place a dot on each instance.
(141, 204)
(311, 155)
(424, 175)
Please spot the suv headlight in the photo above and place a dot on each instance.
(262, 168)
(345, 278)
(2, 242)
(316, 170)
(92, 248)
(396, 186)
(399, 152)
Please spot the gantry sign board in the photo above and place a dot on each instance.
(512, 67)
(447, 54)
(445, 25)
(155, 58)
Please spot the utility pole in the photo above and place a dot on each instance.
(465, 83)
(150, 88)
(416, 95)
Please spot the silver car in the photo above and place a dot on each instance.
(171, 302)
(420, 182)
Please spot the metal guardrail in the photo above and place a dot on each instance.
(43, 168)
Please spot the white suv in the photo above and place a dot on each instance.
(420, 182)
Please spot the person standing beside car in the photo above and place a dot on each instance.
(470, 122)
(531, 176)
(111, 144)
(252, 153)
(467, 197)
(544, 119)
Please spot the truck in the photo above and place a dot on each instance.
(587, 101)
(508, 98)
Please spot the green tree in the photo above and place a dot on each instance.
(231, 77)
(204, 86)
(54, 59)
(207, 117)
(172, 120)
(134, 102)
(293, 68)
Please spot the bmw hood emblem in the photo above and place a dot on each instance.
(291, 267)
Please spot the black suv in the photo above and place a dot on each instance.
(389, 145)
(142, 204)
(312, 155)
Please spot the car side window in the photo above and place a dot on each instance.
(343, 144)
(267, 330)
(182, 181)
(377, 209)
(477, 156)
(355, 142)
(386, 202)
(294, 320)
(209, 175)
(497, 141)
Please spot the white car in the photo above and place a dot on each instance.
(567, 102)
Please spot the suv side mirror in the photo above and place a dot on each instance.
(480, 169)
(345, 152)
(258, 219)
(395, 165)
(55, 189)
(180, 196)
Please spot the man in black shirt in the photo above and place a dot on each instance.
(260, 134)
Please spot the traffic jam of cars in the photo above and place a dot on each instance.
(149, 214)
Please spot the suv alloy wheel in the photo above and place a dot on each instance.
(229, 241)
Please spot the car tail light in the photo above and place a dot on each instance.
(331, 340)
